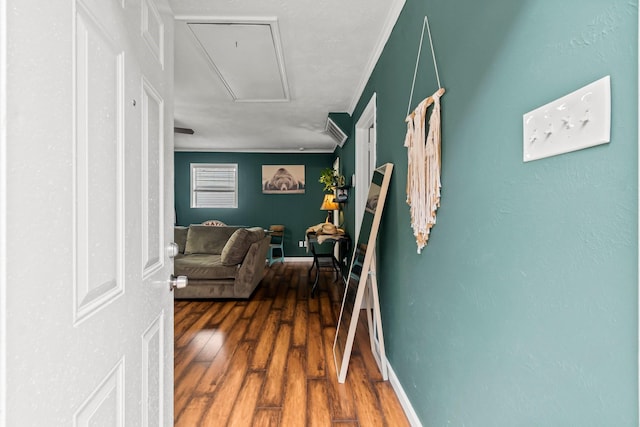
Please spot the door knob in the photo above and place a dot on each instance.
(177, 282)
(172, 250)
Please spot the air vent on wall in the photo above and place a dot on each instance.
(335, 132)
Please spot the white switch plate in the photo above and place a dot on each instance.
(579, 120)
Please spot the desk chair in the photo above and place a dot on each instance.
(276, 248)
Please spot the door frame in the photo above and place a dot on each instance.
(367, 120)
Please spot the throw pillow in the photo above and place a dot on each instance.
(238, 245)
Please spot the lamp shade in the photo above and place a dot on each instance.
(329, 204)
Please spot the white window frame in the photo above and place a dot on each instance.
(194, 188)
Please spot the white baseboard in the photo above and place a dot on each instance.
(298, 259)
(402, 397)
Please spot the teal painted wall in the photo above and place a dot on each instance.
(523, 308)
(295, 211)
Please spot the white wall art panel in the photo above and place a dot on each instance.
(99, 248)
(153, 29)
(153, 373)
(153, 179)
(105, 406)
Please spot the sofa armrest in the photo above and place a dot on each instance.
(252, 268)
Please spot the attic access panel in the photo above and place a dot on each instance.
(247, 56)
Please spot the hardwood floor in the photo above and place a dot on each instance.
(268, 361)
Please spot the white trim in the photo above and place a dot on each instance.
(155, 46)
(152, 264)
(392, 18)
(367, 119)
(156, 329)
(402, 397)
(3, 212)
(111, 385)
(298, 259)
(638, 263)
(87, 303)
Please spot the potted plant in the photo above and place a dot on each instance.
(331, 179)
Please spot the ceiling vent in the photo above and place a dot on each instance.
(335, 132)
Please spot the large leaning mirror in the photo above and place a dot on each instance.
(362, 264)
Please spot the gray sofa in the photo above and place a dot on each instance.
(220, 262)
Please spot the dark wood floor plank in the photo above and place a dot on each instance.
(300, 326)
(304, 290)
(391, 408)
(211, 348)
(194, 328)
(267, 417)
(326, 311)
(294, 407)
(319, 412)
(274, 382)
(289, 309)
(363, 348)
(221, 310)
(181, 309)
(250, 309)
(244, 408)
(186, 355)
(266, 340)
(183, 388)
(280, 294)
(315, 348)
(366, 399)
(294, 281)
(181, 326)
(228, 390)
(340, 395)
(193, 412)
(221, 362)
(258, 320)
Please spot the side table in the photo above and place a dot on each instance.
(326, 259)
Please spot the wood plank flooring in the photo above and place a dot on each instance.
(268, 361)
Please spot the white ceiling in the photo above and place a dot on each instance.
(267, 83)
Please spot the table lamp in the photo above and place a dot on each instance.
(329, 204)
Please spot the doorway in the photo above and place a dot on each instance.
(365, 157)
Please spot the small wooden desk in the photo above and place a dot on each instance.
(328, 259)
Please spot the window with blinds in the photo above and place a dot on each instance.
(214, 185)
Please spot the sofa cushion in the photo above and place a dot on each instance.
(180, 237)
(238, 244)
(202, 239)
(203, 266)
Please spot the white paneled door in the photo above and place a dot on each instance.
(86, 169)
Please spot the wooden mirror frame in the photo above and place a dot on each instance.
(362, 264)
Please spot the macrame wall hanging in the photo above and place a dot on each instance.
(423, 154)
